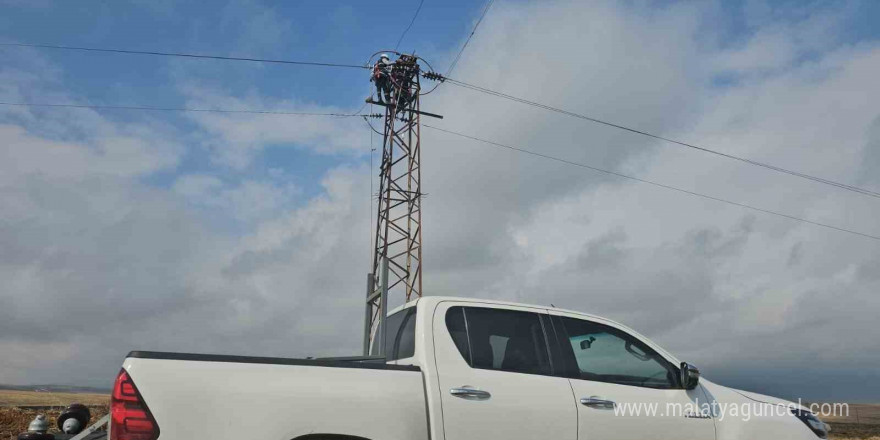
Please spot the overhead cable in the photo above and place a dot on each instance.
(183, 109)
(186, 55)
(844, 186)
(649, 182)
(400, 40)
(464, 46)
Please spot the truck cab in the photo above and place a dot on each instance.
(523, 372)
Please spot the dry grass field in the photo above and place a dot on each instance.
(34, 398)
(18, 408)
(863, 422)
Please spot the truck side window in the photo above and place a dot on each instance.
(498, 339)
(606, 354)
(400, 331)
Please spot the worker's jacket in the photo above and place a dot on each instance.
(381, 69)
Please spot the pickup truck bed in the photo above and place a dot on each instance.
(248, 397)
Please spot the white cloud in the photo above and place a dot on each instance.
(254, 25)
(196, 186)
(235, 139)
(247, 201)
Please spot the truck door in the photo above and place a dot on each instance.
(496, 375)
(624, 389)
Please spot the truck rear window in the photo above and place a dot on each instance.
(401, 334)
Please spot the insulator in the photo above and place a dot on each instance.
(434, 76)
(39, 424)
(74, 418)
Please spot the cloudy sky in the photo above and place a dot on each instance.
(249, 234)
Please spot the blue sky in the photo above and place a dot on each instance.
(346, 32)
(256, 226)
(319, 31)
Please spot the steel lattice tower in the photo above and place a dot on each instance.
(398, 235)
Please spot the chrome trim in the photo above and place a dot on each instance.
(466, 392)
(595, 402)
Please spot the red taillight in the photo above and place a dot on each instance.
(130, 419)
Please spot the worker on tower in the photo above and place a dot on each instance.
(382, 77)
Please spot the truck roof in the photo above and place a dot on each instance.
(436, 299)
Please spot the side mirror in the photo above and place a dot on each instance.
(586, 343)
(690, 376)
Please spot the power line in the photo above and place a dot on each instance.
(457, 57)
(400, 40)
(358, 113)
(180, 109)
(649, 182)
(185, 55)
(844, 186)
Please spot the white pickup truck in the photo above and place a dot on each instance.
(454, 369)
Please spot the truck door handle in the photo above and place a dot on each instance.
(596, 402)
(469, 393)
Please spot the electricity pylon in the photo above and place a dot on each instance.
(397, 256)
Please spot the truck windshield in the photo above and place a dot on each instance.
(400, 331)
